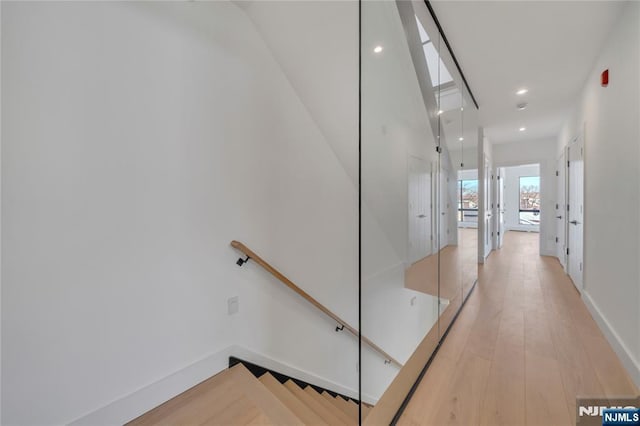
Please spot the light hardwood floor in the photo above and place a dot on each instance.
(521, 350)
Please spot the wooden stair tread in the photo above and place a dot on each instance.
(216, 400)
(344, 419)
(299, 408)
(240, 412)
(327, 415)
(341, 404)
(365, 411)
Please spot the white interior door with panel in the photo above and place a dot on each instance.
(575, 212)
(420, 216)
(444, 206)
(487, 208)
(561, 210)
(500, 206)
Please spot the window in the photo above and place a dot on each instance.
(440, 75)
(468, 200)
(530, 200)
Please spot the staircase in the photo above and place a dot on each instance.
(236, 397)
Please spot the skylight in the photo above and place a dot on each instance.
(424, 37)
(433, 59)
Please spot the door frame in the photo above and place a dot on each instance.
(578, 281)
(498, 200)
(544, 164)
(562, 183)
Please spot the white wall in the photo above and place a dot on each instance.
(609, 119)
(542, 152)
(132, 155)
(512, 196)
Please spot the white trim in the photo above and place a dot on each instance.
(626, 357)
(399, 265)
(144, 399)
(523, 228)
(471, 225)
(550, 253)
(130, 406)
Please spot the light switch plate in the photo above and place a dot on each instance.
(233, 305)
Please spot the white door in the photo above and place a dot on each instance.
(575, 212)
(419, 209)
(500, 206)
(487, 208)
(561, 210)
(444, 206)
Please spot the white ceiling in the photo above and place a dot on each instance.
(548, 47)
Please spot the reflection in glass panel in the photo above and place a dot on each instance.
(468, 228)
(451, 152)
(413, 152)
(398, 171)
(468, 202)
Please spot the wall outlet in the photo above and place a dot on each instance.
(233, 305)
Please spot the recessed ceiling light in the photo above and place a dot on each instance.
(377, 49)
(522, 129)
(522, 91)
(522, 106)
(460, 138)
(440, 112)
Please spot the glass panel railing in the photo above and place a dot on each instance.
(399, 171)
(451, 153)
(468, 227)
(419, 196)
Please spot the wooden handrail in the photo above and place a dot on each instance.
(286, 281)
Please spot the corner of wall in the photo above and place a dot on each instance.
(130, 406)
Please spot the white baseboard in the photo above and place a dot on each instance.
(626, 357)
(404, 265)
(139, 402)
(546, 252)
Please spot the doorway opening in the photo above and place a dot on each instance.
(518, 200)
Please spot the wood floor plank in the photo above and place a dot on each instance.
(525, 351)
(365, 411)
(423, 407)
(503, 402)
(612, 376)
(468, 385)
(545, 398)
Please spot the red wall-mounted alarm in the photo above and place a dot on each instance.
(604, 78)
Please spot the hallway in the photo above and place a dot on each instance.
(522, 349)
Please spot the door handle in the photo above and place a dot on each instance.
(422, 216)
(558, 217)
(574, 222)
